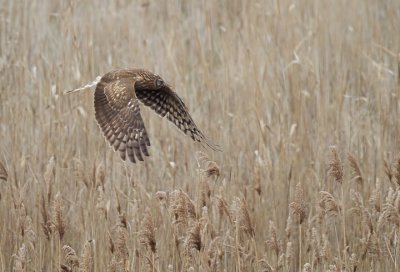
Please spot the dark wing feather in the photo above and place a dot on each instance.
(117, 112)
(166, 102)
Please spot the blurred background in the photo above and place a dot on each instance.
(288, 89)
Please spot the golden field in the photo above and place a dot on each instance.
(302, 96)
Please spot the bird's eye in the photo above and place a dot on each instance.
(159, 83)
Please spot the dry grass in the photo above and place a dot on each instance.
(303, 98)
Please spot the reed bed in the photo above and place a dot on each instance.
(303, 98)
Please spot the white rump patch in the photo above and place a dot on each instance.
(87, 86)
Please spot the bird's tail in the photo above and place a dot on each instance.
(89, 85)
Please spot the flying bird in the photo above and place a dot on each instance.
(117, 100)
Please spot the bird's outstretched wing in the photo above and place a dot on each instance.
(166, 102)
(118, 115)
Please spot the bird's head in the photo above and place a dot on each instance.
(150, 81)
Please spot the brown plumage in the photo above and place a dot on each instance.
(117, 100)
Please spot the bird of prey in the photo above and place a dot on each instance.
(117, 99)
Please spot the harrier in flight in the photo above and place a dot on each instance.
(117, 100)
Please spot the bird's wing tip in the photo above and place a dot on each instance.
(215, 147)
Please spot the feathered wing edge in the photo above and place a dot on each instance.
(167, 103)
(123, 129)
